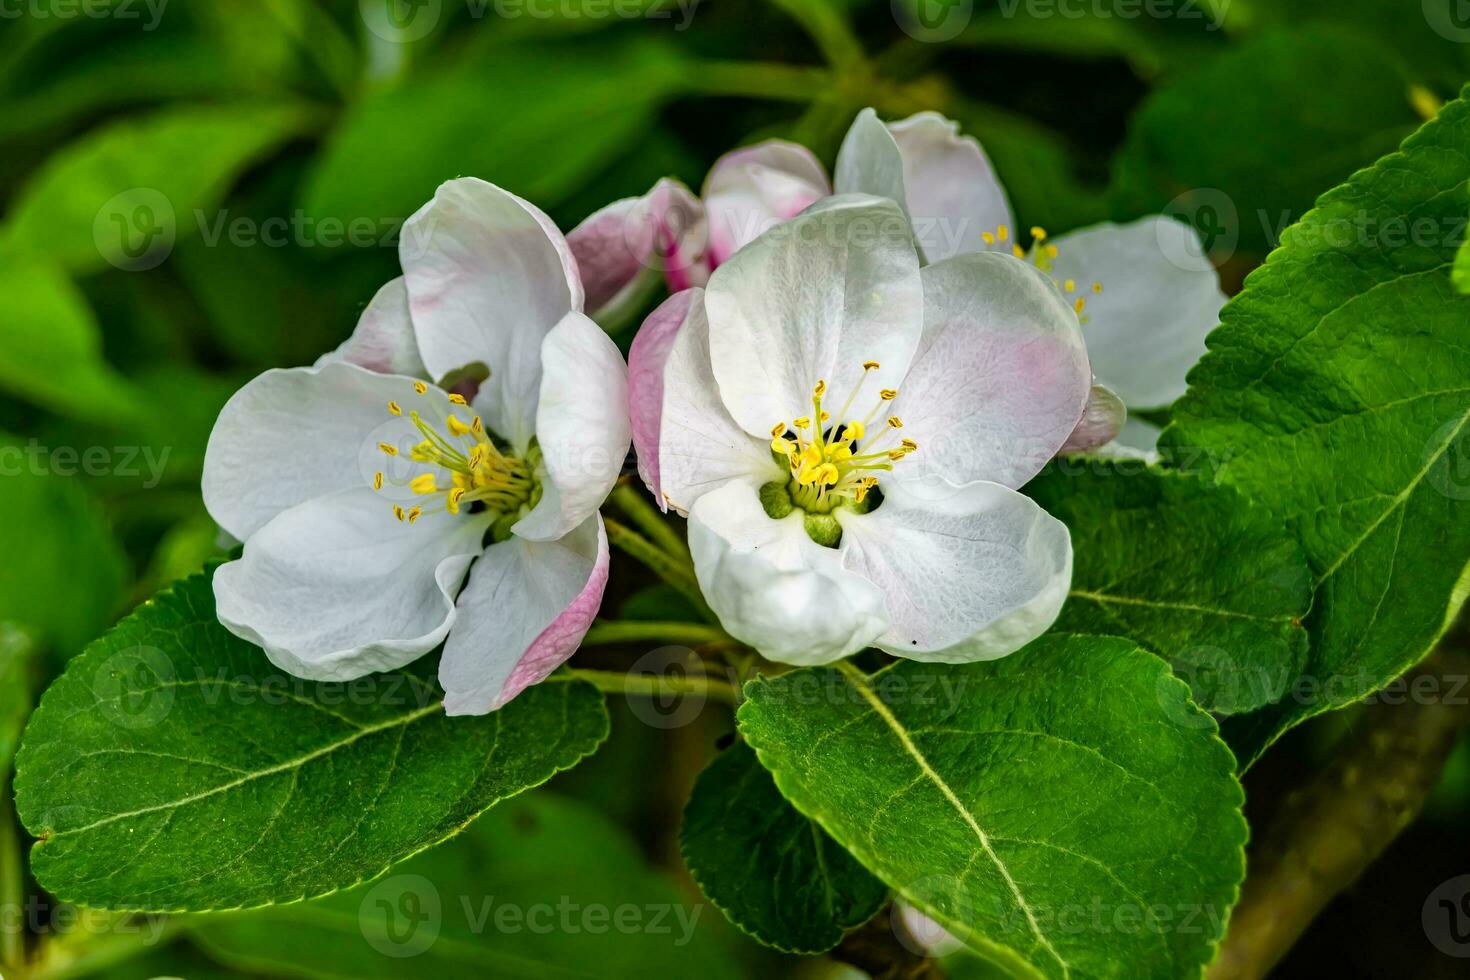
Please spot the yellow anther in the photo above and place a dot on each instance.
(457, 427)
(394, 409)
(424, 484)
(1003, 233)
(828, 474)
(909, 445)
(477, 426)
(807, 475)
(415, 514)
(451, 503)
(387, 449)
(895, 422)
(802, 423)
(778, 430)
(870, 365)
(1018, 251)
(1080, 305)
(826, 416)
(853, 430)
(420, 387)
(820, 389)
(811, 455)
(377, 481)
(1070, 285)
(398, 512)
(896, 454)
(457, 400)
(423, 452)
(888, 394)
(1097, 287)
(1052, 251)
(1038, 233)
(989, 238)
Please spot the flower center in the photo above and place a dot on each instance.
(1042, 255)
(467, 472)
(838, 465)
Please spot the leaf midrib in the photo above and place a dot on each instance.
(859, 681)
(289, 765)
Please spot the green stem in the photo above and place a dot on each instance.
(757, 80)
(95, 953)
(12, 886)
(678, 572)
(642, 513)
(828, 27)
(636, 631)
(650, 685)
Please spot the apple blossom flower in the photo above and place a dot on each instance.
(366, 494)
(1145, 291)
(847, 432)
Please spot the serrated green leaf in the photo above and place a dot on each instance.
(63, 574)
(1241, 146)
(774, 873)
(123, 194)
(1216, 586)
(1337, 393)
(540, 887)
(537, 122)
(1066, 810)
(231, 785)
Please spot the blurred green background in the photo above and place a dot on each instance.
(196, 190)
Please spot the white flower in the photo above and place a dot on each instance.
(1145, 291)
(364, 493)
(846, 433)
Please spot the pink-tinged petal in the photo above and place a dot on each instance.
(773, 587)
(953, 192)
(1102, 420)
(290, 436)
(754, 188)
(813, 300)
(686, 441)
(581, 427)
(1000, 378)
(624, 249)
(337, 587)
(523, 614)
(383, 340)
(968, 573)
(488, 276)
(1160, 297)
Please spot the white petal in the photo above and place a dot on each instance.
(953, 192)
(383, 340)
(337, 587)
(869, 161)
(1001, 375)
(773, 587)
(686, 440)
(628, 247)
(488, 277)
(812, 300)
(524, 612)
(292, 435)
(972, 573)
(754, 188)
(1160, 297)
(581, 427)
(1102, 420)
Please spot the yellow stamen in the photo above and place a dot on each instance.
(1052, 251)
(424, 484)
(1018, 251)
(854, 430)
(451, 502)
(802, 423)
(394, 409)
(895, 422)
(1038, 233)
(414, 514)
(457, 427)
(820, 389)
(1080, 305)
(888, 394)
(457, 400)
(377, 481)
(1003, 233)
(870, 365)
(388, 450)
(1070, 285)
(909, 445)
(420, 387)
(989, 238)
(398, 512)
(1097, 287)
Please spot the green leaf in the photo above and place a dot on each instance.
(17, 687)
(1337, 393)
(538, 887)
(63, 573)
(539, 122)
(229, 784)
(52, 353)
(123, 194)
(1460, 273)
(773, 872)
(1066, 810)
(1242, 145)
(1195, 573)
